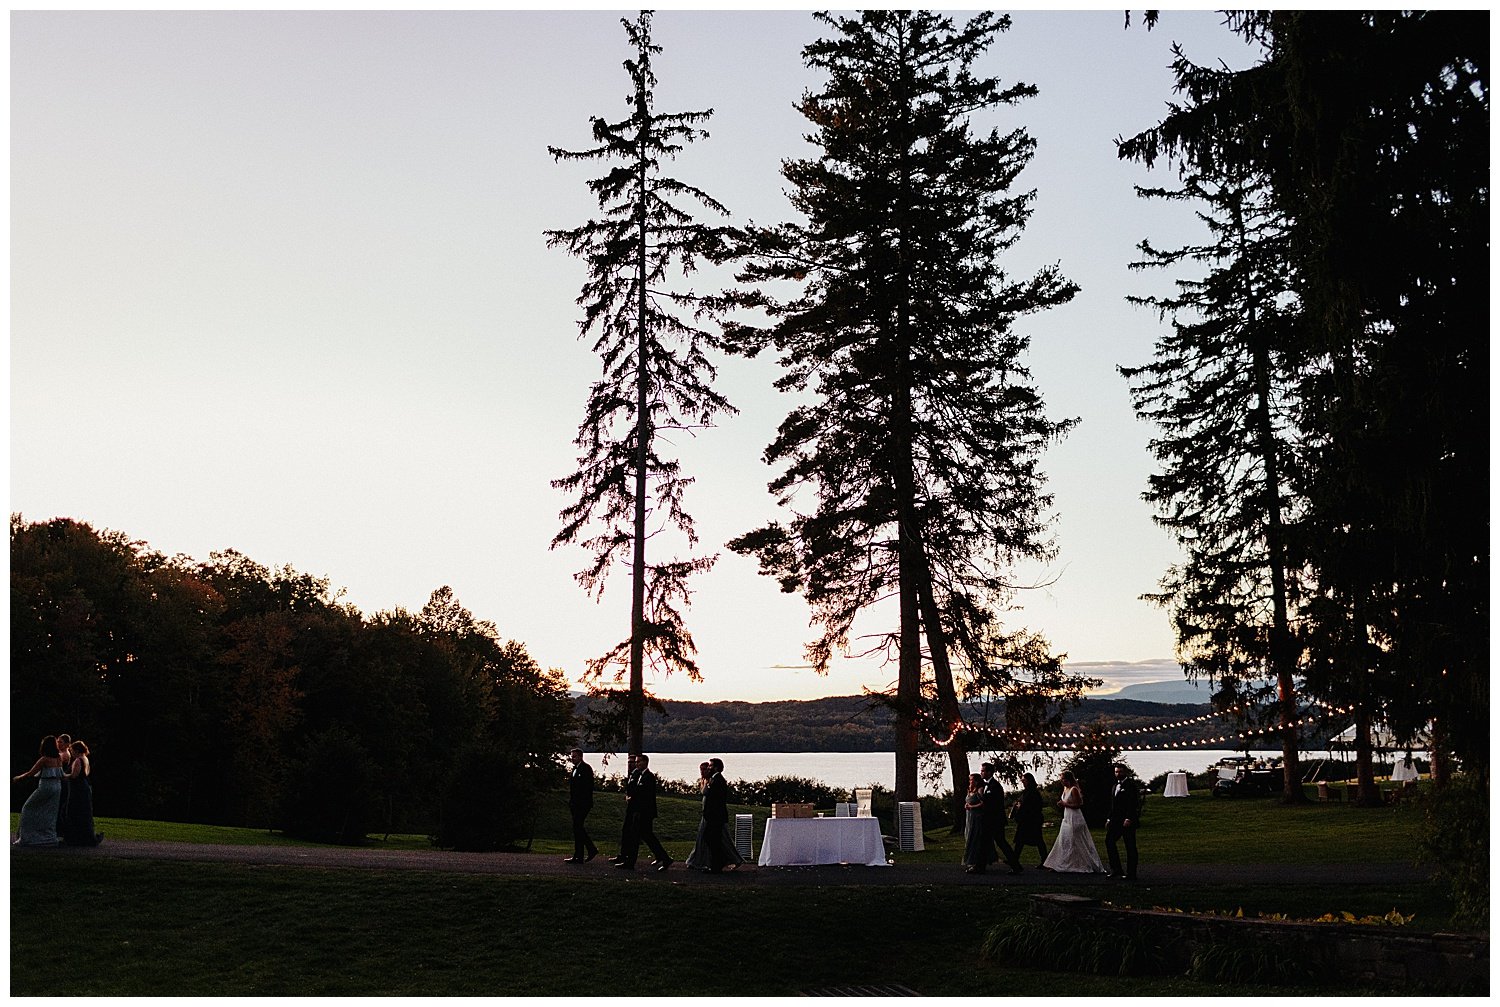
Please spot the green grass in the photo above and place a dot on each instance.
(1205, 830)
(165, 928)
(1198, 830)
(184, 832)
(159, 927)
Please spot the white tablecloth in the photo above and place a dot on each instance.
(800, 841)
(1404, 771)
(1176, 785)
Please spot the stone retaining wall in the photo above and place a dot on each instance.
(1352, 956)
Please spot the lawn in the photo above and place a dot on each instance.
(164, 928)
(157, 928)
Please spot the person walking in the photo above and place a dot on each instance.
(716, 816)
(78, 825)
(626, 824)
(1124, 815)
(993, 814)
(580, 802)
(640, 812)
(39, 813)
(979, 852)
(1028, 809)
(1074, 850)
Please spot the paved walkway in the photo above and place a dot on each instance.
(538, 865)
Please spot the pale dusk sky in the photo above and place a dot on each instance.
(279, 284)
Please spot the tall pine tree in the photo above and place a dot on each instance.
(1372, 130)
(1218, 391)
(913, 468)
(656, 377)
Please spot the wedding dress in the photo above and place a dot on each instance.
(1074, 851)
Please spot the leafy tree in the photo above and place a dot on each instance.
(1218, 392)
(912, 471)
(657, 375)
(228, 692)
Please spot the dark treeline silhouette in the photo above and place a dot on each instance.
(225, 692)
(858, 724)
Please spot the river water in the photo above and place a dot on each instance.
(847, 770)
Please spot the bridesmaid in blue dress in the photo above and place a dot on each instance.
(78, 818)
(39, 813)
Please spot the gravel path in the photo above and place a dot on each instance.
(538, 865)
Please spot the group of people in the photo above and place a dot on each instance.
(1074, 850)
(715, 849)
(61, 809)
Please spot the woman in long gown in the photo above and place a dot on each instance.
(1074, 851)
(1029, 817)
(39, 813)
(698, 859)
(979, 853)
(78, 819)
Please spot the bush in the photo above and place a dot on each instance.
(1456, 839)
(491, 801)
(331, 794)
(1065, 946)
(786, 790)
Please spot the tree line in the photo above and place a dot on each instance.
(1319, 392)
(863, 724)
(227, 692)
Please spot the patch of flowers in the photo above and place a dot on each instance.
(1390, 919)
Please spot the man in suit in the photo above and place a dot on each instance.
(580, 801)
(640, 816)
(992, 816)
(626, 830)
(1124, 814)
(716, 815)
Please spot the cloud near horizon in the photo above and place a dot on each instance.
(1118, 674)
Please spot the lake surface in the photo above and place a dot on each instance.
(847, 770)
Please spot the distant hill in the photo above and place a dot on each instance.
(854, 723)
(1180, 691)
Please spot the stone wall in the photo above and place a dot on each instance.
(1345, 955)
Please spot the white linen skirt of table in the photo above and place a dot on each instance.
(1403, 771)
(1177, 785)
(796, 842)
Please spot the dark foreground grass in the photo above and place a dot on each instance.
(164, 928)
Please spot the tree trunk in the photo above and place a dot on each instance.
(1439, 768)
(637, 698)
(1283, 656)
(909, 673)
(1364, 760)
(942, 674)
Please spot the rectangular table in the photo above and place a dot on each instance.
(1177, 785)
(792, 842)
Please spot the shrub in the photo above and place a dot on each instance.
(1066, 946)
(785, 790)
(330, 796)
(491, 801)
(1456, 839)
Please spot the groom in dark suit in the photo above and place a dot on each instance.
(992, 818)
(1124, 815)
(716, 815)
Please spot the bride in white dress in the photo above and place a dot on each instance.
(1074, 851)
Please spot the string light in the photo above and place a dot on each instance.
(1094, 740)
